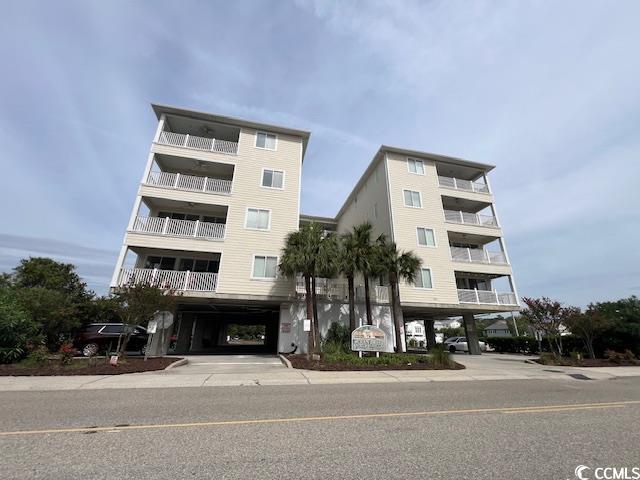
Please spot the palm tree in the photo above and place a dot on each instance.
(366, 261)
(299, 256)
(326, 266)
(399, 266)
(348, 266)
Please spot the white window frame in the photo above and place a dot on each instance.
(430, 275)
(411, 159)
(404, 199)
(275, 141)
(253, 266)
(435, 240)
(246, 219)
(271, 170)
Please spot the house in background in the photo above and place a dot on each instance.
(498, 328)
(219, 195)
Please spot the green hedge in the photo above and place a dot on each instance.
(514, 344)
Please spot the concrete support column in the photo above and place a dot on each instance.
(471, 333)
(430, 333)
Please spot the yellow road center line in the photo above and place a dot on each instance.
(527, 409)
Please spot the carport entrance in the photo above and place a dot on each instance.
(226, 330)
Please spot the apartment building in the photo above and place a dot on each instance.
(219, 195)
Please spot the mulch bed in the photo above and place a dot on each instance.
(589, 362)
(81, 366)
(301, 361)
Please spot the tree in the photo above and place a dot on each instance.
(299, 256)
(624, 331)
(16, 328)
(137, 306)
(47, 273)
(587, 326)
(326, 266)
(366, 261)
(52, 311)
(398, 266)
(348, 266)
(550, 317)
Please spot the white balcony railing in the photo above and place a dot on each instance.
(477, 255)
(179, 228)
(339, 290)
(468, 218)
(189, 182)
(173, 279)
(198, 143)
(467, 185)
(487, 297)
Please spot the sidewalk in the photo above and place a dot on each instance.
(255, 371)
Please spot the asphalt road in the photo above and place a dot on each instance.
(513, 429)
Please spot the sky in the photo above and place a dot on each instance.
(547, 91)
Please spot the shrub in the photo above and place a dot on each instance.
(440, 357)
(549, 358)
(514, 344)
(413, 343)
(383, 359)
(338, 338)
(16, 329)
(38, 355)
(66, 352)
(616, 357)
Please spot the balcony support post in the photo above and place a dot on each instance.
(204, 184)
(177, 182)
(165, 225)
(186, 140)
(186, 280)
(195, 230)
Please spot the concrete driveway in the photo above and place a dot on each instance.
(216, 364)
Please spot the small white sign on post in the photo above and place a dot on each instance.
(306, 326)
(113, 360)
(152, 327)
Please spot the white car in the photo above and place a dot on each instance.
(459, 344)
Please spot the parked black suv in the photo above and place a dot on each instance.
(100, 337)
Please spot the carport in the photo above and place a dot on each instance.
(225, 329)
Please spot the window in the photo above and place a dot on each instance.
(418, 330)
(162, 263)
(426, 237)
(264, 266)
(258, 219)
(266, 140)
(412, 199)
(112, 329)
(272, 178)
(415, 166)
(196, 265)
(423, 278)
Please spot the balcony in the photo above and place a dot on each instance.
(488, 297)
(468, 218)
(465, 185)
(477, 255)
(179, 228)
(173, 279)
(339, 290)
(191, 183)
(206, 144)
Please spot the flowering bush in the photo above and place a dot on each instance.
(66, 353)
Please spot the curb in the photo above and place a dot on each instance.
(177, 363)
(285, 360)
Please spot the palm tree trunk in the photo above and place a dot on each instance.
(309, 301)
(367, 300)
(352, 303)
(315, 327)
(396, 313)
